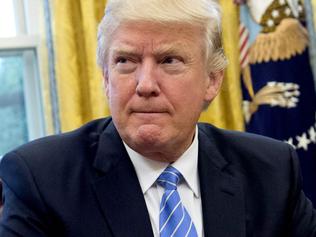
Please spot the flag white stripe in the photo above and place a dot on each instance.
(243, 38)
(243, 53)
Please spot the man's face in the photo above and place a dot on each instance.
(157, 84)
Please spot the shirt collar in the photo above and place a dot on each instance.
(148, 170)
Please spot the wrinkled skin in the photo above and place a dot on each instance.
(157, 83)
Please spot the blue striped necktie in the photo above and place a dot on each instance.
(174, 220)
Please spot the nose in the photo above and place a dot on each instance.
(147, 84)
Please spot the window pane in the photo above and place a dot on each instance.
(13, 122)
(7, 19)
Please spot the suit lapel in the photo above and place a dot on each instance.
(118, 190)
(121, 199)
(221, 191)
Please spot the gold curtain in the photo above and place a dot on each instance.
(44, 74)
(79, 81)
(80, 92)
(226, 110)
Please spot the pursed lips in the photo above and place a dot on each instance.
(149, 112)
(148, 109)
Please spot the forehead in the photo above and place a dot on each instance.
(148, 36)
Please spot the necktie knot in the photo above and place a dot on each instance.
(169, 178)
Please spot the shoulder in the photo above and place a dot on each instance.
(237, 138)
(55, 154)
(50, 177)
(249, 149)
(268, 172)
(61, 143)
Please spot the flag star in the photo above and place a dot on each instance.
(303, 141)
(312, 134)
(290, 142)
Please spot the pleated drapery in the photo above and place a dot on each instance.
(226, 110)
(79, 80)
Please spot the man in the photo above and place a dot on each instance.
(150, 170)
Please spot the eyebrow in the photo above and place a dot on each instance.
(164, 49)
(125, 51)
(175, 48)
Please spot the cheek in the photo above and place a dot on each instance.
(119, 93)
(188, 93)
(191, 101)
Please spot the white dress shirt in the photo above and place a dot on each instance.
(189, 190)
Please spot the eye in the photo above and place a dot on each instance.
(124, 64)
(121, 60)
(173, 64)
(171, 60)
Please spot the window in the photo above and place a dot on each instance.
(21, 117)
(7, 19)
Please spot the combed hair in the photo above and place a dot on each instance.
(205, 14)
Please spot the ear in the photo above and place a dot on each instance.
(215, 80)
(106, 82)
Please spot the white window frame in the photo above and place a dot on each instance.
(28, 31)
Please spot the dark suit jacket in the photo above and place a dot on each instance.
(83, 183)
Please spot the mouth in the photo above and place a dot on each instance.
(148, 110)
(149, 114)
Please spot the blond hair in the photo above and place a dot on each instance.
(201, 13)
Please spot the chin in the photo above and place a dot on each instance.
(145, 137)
(149, 134)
